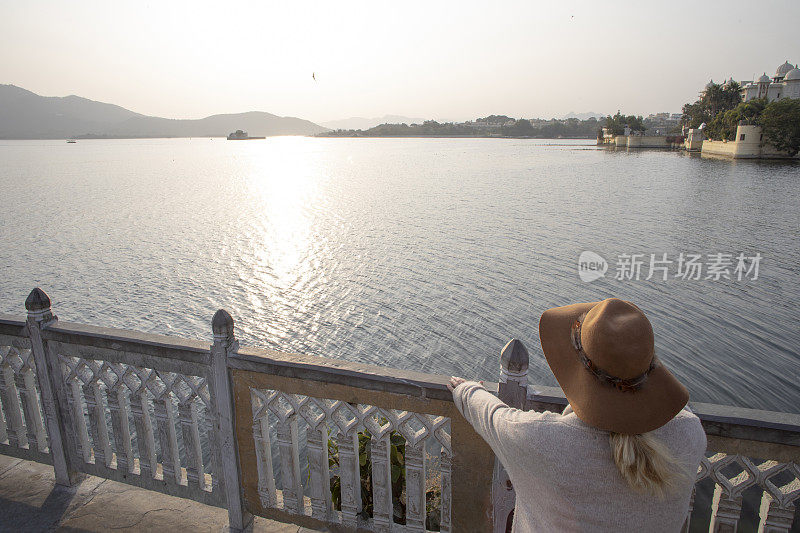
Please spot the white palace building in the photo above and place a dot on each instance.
(784, 84)
(749, 142)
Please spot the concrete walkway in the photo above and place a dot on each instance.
(31, 501)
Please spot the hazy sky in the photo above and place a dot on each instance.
(444, 60)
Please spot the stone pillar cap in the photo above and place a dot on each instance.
(37, 300)
(514, 357)
(222, 323)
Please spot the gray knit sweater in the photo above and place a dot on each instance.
(563, 473)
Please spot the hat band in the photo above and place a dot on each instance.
(623, 385)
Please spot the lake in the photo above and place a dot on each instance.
(424, 254)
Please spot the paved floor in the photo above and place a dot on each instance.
(31, 501)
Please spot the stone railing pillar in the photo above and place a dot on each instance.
(225, 444)
(725, 511)
(513, 387)
(513, 390)
(774, 517)
(50, 381)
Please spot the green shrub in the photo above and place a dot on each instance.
(781, 125)
(397, 455)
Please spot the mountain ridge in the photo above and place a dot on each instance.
(27, 115)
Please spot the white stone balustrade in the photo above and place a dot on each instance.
(425, 437)
(261, 432)
(22, 420)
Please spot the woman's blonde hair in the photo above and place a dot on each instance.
(646, 464)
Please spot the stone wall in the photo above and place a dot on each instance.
(723, 148)
(749, 144)
(648, 141)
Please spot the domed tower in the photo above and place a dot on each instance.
(763, 85)
(791, 83)
(782, 70)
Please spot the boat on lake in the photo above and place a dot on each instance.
(240, 135)
(71, 141)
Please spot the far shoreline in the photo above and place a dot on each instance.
(323, 136)
(210, 137)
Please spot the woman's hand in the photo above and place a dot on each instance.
(454, 382)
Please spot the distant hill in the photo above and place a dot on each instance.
(361, 123)
(26, 115)
(256, 123)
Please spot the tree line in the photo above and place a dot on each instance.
(616, 124)
(491, 126)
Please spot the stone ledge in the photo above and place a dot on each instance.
(31, 501)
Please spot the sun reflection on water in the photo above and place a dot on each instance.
(284, 185)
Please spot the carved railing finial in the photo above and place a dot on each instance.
(37, 300)
(38, 305)
(222, 326)
(514, 362)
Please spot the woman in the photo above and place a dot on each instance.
(624, 453)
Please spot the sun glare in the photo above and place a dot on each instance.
(284, 187)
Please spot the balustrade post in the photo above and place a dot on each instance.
(225, 344)
(167, 438)
(115, 397)
(288, 444)
(266, 474)
(774, 517)
(725, 511)
(512, 390)
(191, 442)
(51, 387)
(350, 477)
(382, 508)
(415, 486)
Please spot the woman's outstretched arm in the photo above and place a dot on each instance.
(492, 419)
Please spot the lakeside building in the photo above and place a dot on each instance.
(749, 142)
(784, 84)
(492, 122)
(661, 131)
(662, 123)
(637, 139)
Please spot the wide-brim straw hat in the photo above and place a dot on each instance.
(603, 356)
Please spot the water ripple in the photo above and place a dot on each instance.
(426, 254)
